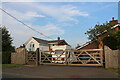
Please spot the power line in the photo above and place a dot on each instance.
(25, 24)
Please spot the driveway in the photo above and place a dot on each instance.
(45, 71)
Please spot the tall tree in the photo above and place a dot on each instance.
(7, 47)
(6, 41)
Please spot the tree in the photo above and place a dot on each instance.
(7, 47)
(6, 41)
(97, 30)
(117, 36)
(112, 41)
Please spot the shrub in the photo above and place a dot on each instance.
(6, 58)
(111, 42)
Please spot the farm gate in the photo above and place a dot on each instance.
(87, 57)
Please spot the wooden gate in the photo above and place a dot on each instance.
(52, 57)
(87, 57)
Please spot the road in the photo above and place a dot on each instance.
(45, 71)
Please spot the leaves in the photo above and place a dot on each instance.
(98, 30)
(6, 41)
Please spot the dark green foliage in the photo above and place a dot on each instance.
(6, 41)
(6, 56)
(111, 42)
(97, 30)
(7, 47)
(117, 36)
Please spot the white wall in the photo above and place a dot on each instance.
(36, 44)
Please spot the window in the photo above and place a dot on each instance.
(33, 45)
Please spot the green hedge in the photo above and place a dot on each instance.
(6, 58)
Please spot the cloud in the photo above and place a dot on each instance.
(28, 16)
(62, 13)
(51, 29)
(33, 14)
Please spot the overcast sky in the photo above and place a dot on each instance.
(68, 20)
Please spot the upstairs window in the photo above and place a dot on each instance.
(33, 45)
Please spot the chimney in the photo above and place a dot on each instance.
(58, 38)
(112, 18)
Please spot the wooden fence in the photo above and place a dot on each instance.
(19, 57)
(112, 58)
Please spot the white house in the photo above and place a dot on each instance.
(33, 43)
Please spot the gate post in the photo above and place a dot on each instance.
(37, 57)
(66, 57)
(40, 55)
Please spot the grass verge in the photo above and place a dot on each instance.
(116, 70)
(11, 65)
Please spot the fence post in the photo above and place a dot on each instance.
(40, 55)
(37, 56)
(66, 57)
(26, 56)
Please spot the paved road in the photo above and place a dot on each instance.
(44, 71)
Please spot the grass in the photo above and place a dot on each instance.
(116, 70)
(11, 65)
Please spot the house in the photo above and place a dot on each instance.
(33, 43)
(58, 45)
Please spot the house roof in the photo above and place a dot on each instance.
(41, 40)
(84, 45)
(58, 41)
(94, 45)
(47, 42)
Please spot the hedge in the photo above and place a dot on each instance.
(6, 58)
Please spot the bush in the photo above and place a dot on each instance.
(117, 36)
(111, 42)
(6, 58)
